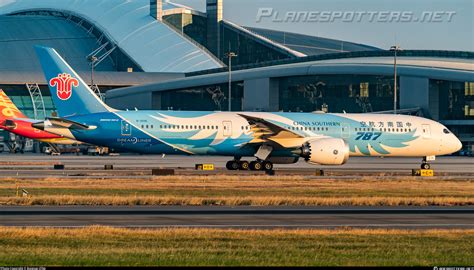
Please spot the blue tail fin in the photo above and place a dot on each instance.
(71, 95)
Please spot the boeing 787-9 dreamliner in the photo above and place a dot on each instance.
(268, 138)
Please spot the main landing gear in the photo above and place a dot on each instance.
(258, 165)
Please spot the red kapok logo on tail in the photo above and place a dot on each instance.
(64, 84)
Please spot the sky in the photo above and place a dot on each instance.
(451, 26)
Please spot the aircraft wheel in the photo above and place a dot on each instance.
(256, 166)
(267, 166)
(425, 166)
(244, 165)
(232, 165)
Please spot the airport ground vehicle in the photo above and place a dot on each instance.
(97, 151)
(61, 150)
(319, 138)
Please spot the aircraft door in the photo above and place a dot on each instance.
(227, 128)
(345, 131)
(126, 128)
(426, 129)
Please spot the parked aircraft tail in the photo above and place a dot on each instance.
(71, 95)
(8, 109)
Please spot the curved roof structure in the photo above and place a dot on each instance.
(151, 44)
(456, 69)
(311, 45)
(18, 35)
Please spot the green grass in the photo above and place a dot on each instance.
(231, 190)
(102, 246)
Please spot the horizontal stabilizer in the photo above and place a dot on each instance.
(54, 122)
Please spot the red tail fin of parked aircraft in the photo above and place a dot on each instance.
(8, 110)
(14, 121)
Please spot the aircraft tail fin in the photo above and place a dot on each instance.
(8, 109)
(70, 94)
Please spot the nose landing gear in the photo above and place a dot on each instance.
(425, 165)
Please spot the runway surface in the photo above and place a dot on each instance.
(240, 217)
(38, 165)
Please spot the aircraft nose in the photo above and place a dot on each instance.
(457, 144)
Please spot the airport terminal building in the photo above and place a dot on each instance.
(155, 54)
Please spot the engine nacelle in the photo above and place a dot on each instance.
(330, 151)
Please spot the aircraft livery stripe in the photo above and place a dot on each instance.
(147, 133)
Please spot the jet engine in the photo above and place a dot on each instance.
(329, 151)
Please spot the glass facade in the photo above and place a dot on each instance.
(336, 93)
(248, 50)
(456, 99)
(193, 26)
(205, 98)
(21, 98)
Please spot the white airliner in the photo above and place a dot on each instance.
(271, 138)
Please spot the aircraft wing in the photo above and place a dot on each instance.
(265, 132)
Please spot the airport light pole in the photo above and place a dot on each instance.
(230, 55)
(395, 49)
(92, 59)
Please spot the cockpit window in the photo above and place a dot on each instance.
(446, 131)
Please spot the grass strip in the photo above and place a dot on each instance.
(105, 246)
(243, 190)
(237, 201)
